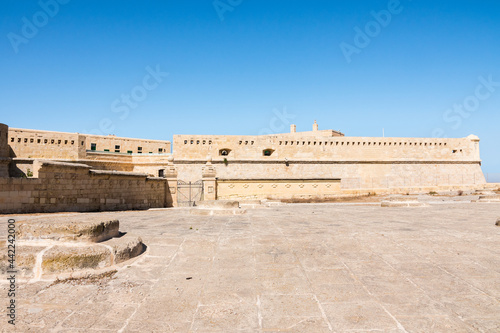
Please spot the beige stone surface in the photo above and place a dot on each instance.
(292, 268)
(90, 229)
(61, 259)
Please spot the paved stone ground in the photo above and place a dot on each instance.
(294, 268)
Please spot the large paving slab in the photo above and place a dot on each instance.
(291, 268)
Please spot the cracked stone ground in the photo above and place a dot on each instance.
(294, 268)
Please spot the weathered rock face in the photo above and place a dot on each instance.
(25, 259)
(125, 248)
(59, 259)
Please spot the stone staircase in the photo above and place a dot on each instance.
(68, 246)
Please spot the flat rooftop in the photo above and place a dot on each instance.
(292, 268)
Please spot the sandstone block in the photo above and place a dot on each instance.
(218, 204)
(125, 247)
(60, 259)
(90, 231)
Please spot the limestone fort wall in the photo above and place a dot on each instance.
(277, 147)
(26, 143)
(360, 162)
(58, 187)
(353, 175)
(115, 144)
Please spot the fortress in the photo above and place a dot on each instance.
(108, 172)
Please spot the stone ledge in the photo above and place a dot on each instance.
(403, 204)
(125, 247)
(63, 230)
(119, 173)
(488, 199)
(213, 212)
(48, 259)
(218, 204)
(48, 163)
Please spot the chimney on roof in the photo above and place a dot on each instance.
(315, 126)
(293, 128)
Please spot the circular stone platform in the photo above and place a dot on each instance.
(59, 247)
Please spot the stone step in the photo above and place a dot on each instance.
(489, 198)
(216, 212)
(47, 258)
(218, 204)
(272, 202)
(125, 247)
(68, 229)
(405, 198)
(250, 204)
(403, 204)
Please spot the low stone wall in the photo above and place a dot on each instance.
(276, 188)
(57, 187)
(354, 175)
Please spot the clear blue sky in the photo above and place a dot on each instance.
(232, 65)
